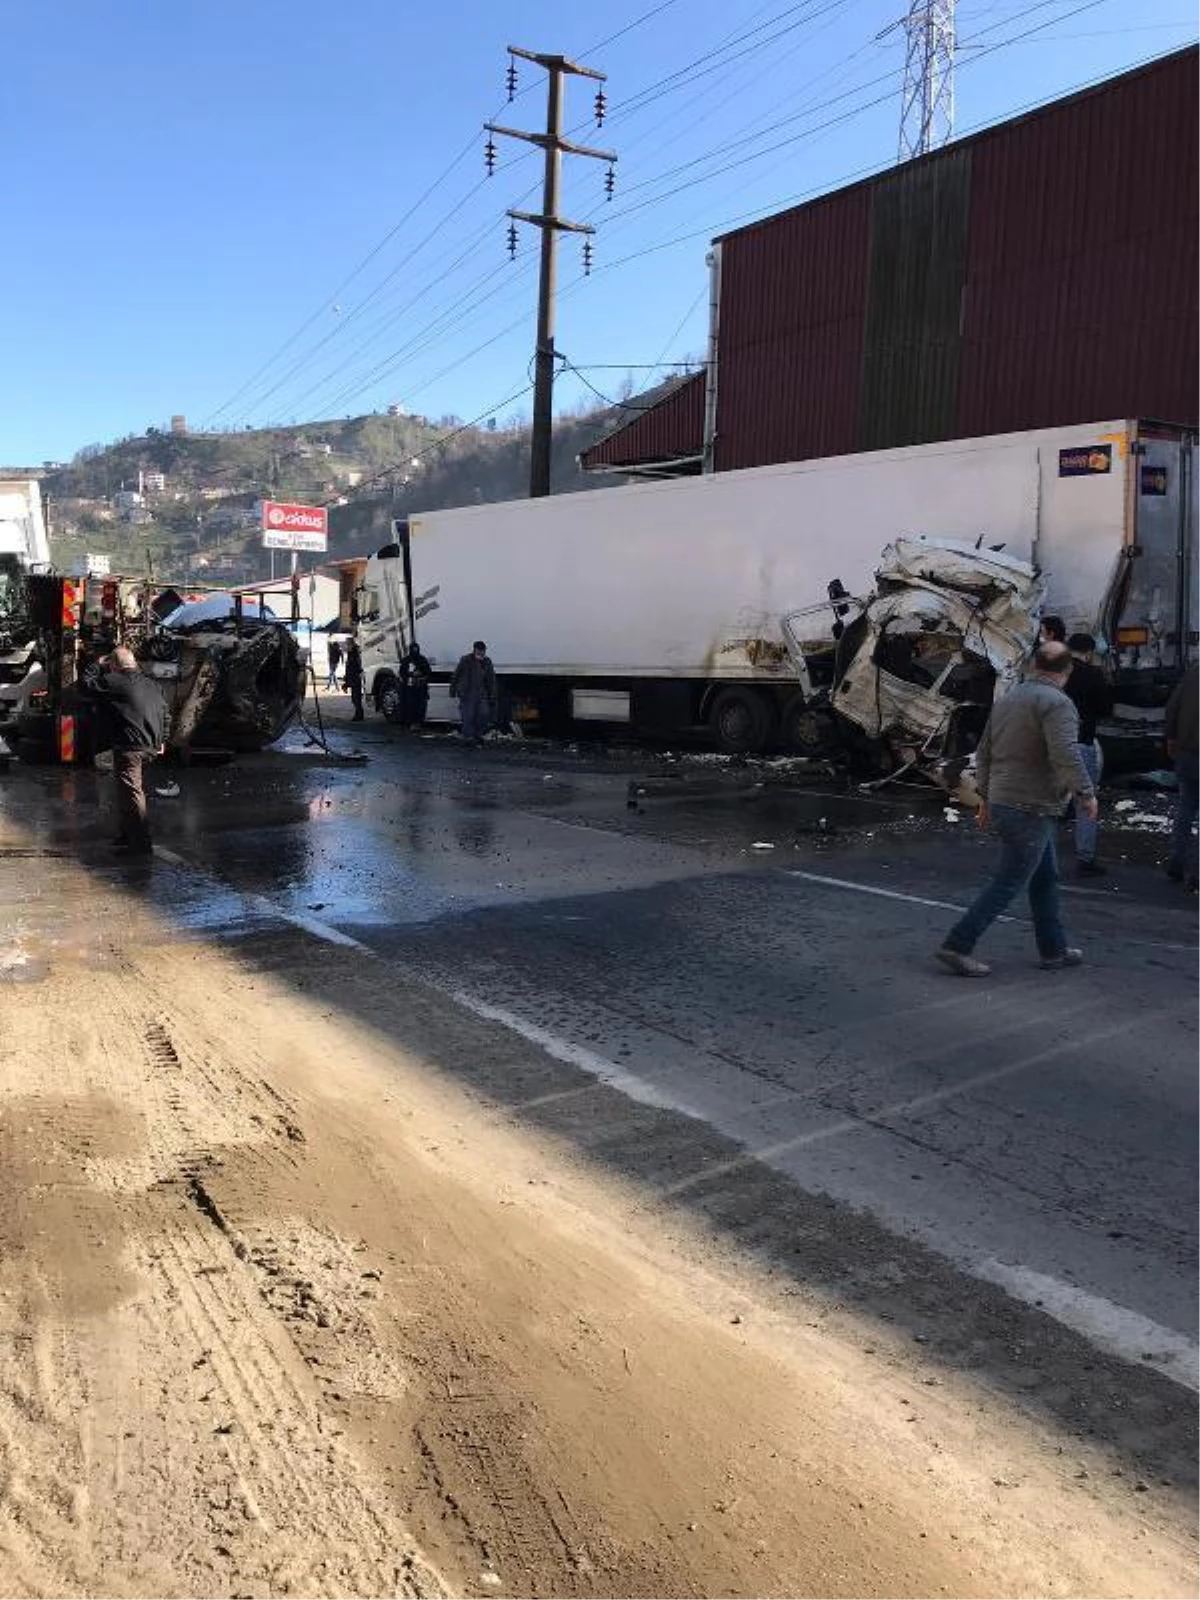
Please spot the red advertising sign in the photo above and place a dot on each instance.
(292, 527)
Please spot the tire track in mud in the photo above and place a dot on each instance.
(467, 1439)
(241, 1292)
(193, 1406)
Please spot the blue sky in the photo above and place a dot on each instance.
(264, 212)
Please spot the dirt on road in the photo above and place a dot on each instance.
(283, 1310)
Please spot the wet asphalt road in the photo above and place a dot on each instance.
(1037, 1130)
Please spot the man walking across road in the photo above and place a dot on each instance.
(1183, 746)
(354, 678)
(1027, 768)
(335, 660)
(1088, 691)
(474, 687)
(136, 716)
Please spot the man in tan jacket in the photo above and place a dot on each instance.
(1027, 770)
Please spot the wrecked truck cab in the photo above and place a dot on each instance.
(910, 673)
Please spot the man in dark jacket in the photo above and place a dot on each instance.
(1026, 769)
(1183, 746)
(135, 717)
(474, 687)
(353, 676)
(1088, 691)
(414, 686)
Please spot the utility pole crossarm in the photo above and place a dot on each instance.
(546, 143)
(560, 223)
(557, 64)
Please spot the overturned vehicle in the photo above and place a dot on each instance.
(904, 680)
(232, 681)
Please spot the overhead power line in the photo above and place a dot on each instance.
(386, 472)
(462, 311)
(350, 278)
(468, 148)
(737, 37)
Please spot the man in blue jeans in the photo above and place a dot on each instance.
(1088, 691)
(1183, 746)
(1027, 769)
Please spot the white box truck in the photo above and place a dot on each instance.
(660, 607)
(24, 548)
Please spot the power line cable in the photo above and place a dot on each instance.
(736, 37)
(347, 281)
(655, 199)
(375, 251)
(594, 49)
(389, 362)
(435, 444)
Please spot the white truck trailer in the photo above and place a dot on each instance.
(661, 607)
(24, 548)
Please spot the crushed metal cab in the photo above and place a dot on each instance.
(918, 664)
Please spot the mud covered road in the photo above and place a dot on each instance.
(442, 1176)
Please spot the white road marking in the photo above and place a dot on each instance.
(947, 905)
(883, 894)
(573, 1055)
(1111, 1327)
(300, 919)
(1126, 1333)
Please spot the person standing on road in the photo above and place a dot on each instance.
(1026, 769)
(136, 716)
(474, 687)
(335, 657)
(414, 686)
(1088, 691)
(353, 677)
(1183, 746)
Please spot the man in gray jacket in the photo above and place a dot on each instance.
(1027, 769)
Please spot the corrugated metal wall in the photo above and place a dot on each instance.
(1042, 273)
(672, 429)
(911, 337)
(1080, 294)
(795, 293)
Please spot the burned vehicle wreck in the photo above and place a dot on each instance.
(904, 680)
(232, 681)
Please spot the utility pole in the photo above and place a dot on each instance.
(551, 224)
(927, 105)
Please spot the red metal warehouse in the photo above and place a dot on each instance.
(1040, 273)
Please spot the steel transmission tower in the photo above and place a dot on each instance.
(927, 108)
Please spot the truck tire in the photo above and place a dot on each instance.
(808, 730)
(742, 721)
(387, 696)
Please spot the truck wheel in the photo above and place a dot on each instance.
(387, 697)
(809, 730)
(741, 721)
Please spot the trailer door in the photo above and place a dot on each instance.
(1158, 619)
(1192, 546)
